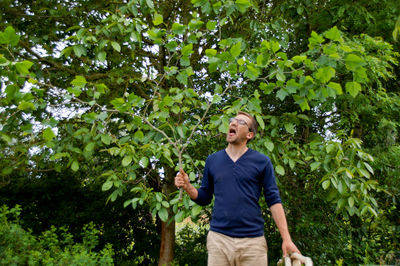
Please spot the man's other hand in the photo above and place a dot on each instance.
(288, 247)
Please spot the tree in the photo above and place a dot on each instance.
(152, 83)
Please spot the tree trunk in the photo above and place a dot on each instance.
(167, 243)
(167, 228)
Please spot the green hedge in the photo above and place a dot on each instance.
(53, 247)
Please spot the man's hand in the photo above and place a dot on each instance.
(182, 179)
(288, 247)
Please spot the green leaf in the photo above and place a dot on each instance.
(304, 104)
(150, 4)
(187, 49)
(281, 94)
(23, 67)
(9, 36)
(236, 49)
(315, 165)
(196, 209)
(260, 121)
(106, 139)
(315, 40)
(299, 58)
(180, 131)
(172, 45)
(158, 19)
(211, 52)
(369, 168)
(195, 24)
(139, 135)
(333, 34)
(192, 176)
(178, 28)
(182, 77)
(353, 62)
(364, 172)
(159, 197)
(341, 203)
(102, 56)
(252, 72)
(211, 25)
(48, 134)
(126, 161)
(348, 173)
(280, 170)
(79, 50)
(289, 128)
(325, 74)
(126, 203)
(243, 5)
(280, 75)
(79, 81)
(179, 216)
(275, 46)
(216, 99)
(24, 106)
(336, 86)
(107, 185)
(90, 147)
(163, 214)
(326, 184)
(351, 202)
(116, 46)
(269, 145)
(75, 166)
(353, 88)
(300, 10)
(144, 162)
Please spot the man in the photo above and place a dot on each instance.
(236, 176)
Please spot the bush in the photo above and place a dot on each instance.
(191, 245)
(52, 247)
(71, 200)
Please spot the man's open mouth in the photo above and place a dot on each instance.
(232, 132)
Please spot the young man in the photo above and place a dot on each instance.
(236, 177)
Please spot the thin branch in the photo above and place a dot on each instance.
(39, 170)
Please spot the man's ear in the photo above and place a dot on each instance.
(250, 135)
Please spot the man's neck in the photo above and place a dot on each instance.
(235, 151)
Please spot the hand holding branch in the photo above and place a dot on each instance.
(182, 182)
(182, 179)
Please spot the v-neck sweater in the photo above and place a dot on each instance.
(237, 188)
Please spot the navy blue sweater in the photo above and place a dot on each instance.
(237, 188)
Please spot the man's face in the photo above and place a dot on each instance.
(239, 131)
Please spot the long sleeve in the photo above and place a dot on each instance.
(206, 190)
(271, 192)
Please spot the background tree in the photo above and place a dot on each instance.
(133, 90)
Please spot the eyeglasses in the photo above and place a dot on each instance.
(239, 121)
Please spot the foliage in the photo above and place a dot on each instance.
(55, 246)
(64, 201)
(132, 91)
(191, 243)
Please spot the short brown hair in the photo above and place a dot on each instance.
(254, 125)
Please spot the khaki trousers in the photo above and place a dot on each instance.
(231, 251)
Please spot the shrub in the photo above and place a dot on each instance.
(53, 247)
(191, 246)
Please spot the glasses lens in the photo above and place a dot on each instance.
(239, 121)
